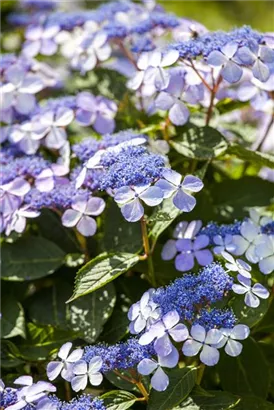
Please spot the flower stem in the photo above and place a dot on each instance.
(200, 373)
(143, 390)
(83, 244)
(148, 253)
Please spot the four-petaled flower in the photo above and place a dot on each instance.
(143, 313)
(223, 244)
(252, 293)
(265, 253)
(259, 57)
(81, 212)
(159, 380)
(226, 58)
(191, 249)
(130, 200)
(151, 66)
(66, 364)
(84, 372)
(203, 341)
(40, 40)
(18, 219)
(162, 330)
(230, 337)
(11, 195)
(172, 185)
(247, 241)
(237, 265)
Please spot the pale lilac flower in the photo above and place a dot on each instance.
(161, 332)
(229, 339)
(92, 49)
(223, 244)
(40, 40)
(27, 135)
(66, 364)
(172, 185)
(159, 380)
(130, 200)
(173, 98)
(143, 313)
(84, 372)
(96, 111)
(81, 212)
(31, 393)
(182, 230)
(265, 253)
(19, 90)
(47, 178)
(151, 66)
(189, 250)
(203, 341)
(259, 57)
(227, 60)
(252, 293)
(11, 195)
(237, 265)
(54, 124)
(248, 240)
(18, 219)
(258, 219)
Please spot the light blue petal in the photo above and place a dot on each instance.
(159, 380)
(231, 72)
(209, 355)
(133, 211)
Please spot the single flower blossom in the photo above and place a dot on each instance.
(172, 185)
(11, 195)
(130, 200)
(81, 212)
(54, 123)
(45, 181)
(237, 265)
(189, 250)
(226, 58)
(260, 57)
(252, 293)
(143, 313)
(161, 332)
(18, 219)
(248, 240)
(230, 339)
(265, 253)
(64, 366)
(96, 111)
(202, 341)
(223, 244)
(159, 380)
(19, 90)
(92, 49)
(84, 372)
(40, 39)
(28, 136)
(151, 66)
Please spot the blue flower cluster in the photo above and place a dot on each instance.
(83, 402)
(213, 229)
(188, 296)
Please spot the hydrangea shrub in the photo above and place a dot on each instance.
(137, 211)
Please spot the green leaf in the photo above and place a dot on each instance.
(246, 374)
(120, 235)
(231, 197)
(10, 355)
(228, 105)
(100, 271)
(247, 315)
(201, 399)
(200, 143)
(86, 316)
(267, 324)
(254, 403)
(119, 382)
(181, 382)
(256, 157)
(13, 318)
(30, 258)
(118, 400)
